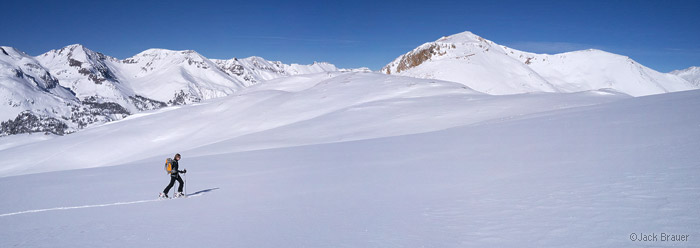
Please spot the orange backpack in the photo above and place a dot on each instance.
(169, 165)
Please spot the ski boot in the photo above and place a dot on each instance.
(163, 195)
(179, 195)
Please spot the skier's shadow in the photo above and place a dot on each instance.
(202, 192)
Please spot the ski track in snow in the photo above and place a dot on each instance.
(199, 193)
(77, 207)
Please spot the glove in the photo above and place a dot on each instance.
(184, 171)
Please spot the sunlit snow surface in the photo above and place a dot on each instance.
(368, 160)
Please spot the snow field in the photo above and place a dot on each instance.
(569, 177)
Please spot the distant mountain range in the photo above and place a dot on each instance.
(71, 88)
(495, 69)
(67, 89)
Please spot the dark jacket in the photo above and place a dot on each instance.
(175, 167)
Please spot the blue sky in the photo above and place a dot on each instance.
(662, 35)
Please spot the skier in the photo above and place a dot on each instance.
(174, 175)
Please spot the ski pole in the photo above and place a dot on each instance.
(185, 184)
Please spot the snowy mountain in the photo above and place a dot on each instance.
(691, 74)
(32, 100)
(74, 87)
(473, 61)
(494, 69)
(86, 87)
(90, 75)
(176, 77)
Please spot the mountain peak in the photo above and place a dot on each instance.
(174, 56)
(74, 46)
(74, 51)
(163, 51)
(463, 37)
(254, 58)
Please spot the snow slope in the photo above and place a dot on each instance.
(577, 177)
(299, 110)
(692, 74)
(494, 69)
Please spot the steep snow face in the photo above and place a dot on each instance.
(691, 74)
(91, 75)
(176, 77)
(473, 61)
(298, 110)
(494, 69)
(594, 69)
(27, 86)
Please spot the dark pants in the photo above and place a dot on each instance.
(172, 182)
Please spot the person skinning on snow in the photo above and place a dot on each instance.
(174, 176)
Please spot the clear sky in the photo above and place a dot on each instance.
(663, 35)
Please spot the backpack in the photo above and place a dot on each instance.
(169, 165)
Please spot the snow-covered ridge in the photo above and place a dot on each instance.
(491, 68)
(596, 69)
(82, 87)
(254, 69)
(692, 74)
